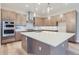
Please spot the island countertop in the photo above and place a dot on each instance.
(50, 38)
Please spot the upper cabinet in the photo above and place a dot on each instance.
(6, 14)
(54, 20)
(39, 21)
(20, 19)
(70, 18)
(46, 22)
(50, 22)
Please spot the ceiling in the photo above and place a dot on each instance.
(41, 9)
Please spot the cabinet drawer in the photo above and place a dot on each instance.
(18, 36)
(7, 39)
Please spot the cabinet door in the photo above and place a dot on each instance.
(6, 14)
(18, 36)
(71, 21)
(21, 20)
(40, 48)
(24, 42)
(7, 39)
(18, 20)
(12, 15)
(46, 22)
(39, 21)
(53, 21)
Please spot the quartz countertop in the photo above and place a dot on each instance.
(19, 30)
(51, 38)
(45, 28)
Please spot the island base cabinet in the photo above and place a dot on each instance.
(35, 47)
(39, 48)
(59, 50)
(29, 45)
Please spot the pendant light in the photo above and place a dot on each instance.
(48, 11)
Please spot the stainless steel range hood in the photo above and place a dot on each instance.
(30, 17)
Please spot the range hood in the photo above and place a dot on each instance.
(30, 18)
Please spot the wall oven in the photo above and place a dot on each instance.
(8, 28)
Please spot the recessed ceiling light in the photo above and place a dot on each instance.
(34, 14)
(66, 4)
(39, 3)
(48, 9)
(26, 5)
(49, 17)
(61, 16)
(36, 9)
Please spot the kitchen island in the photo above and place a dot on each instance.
(46, 42)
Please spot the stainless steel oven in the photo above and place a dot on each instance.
(8, 28)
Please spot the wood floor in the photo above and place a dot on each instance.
(15, 48)
(73, 49)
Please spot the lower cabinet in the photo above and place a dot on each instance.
(32, 46)
(24, 42)
(40, 48)
(37, 48)
(5, 40)
(17, 36)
